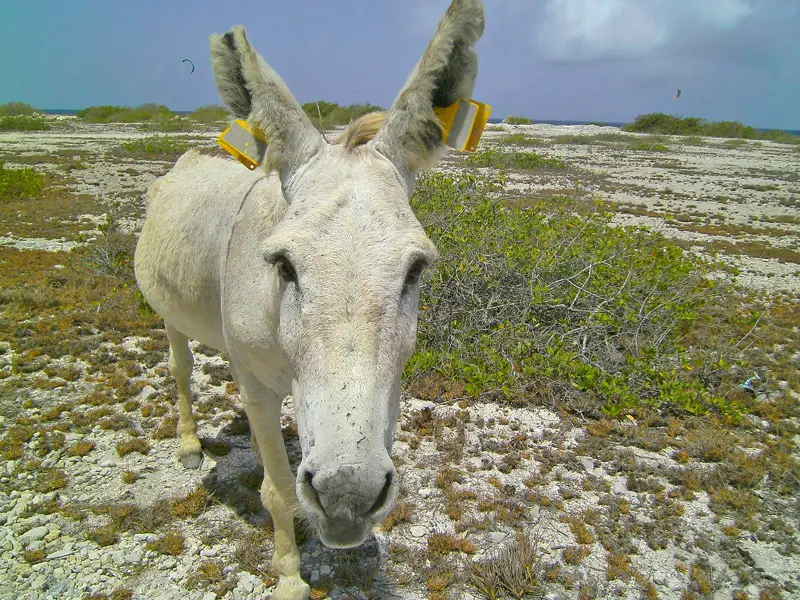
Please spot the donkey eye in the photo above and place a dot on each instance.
(286, 270)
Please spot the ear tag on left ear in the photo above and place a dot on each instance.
(244, 142)
(463, 124)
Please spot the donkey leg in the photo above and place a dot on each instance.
(263, 409)
(253, 441)
(180, 365)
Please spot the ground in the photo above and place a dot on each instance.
(94, 503)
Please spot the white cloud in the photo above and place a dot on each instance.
(577, 30)
(722, 14)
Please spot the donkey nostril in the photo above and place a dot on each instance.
(381, 499)
(308, 480)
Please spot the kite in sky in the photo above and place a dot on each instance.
(191, 62)
(677, 94)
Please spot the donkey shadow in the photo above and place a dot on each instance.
(235, 481)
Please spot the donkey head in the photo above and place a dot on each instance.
(347, 257)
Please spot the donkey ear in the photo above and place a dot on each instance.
(411, 134)
(253, 91)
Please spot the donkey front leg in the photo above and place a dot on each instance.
(263, 408)
(180, 365)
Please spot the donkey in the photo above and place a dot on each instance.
(305, 273)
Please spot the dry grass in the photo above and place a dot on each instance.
(440, 544)
(134, 444)
(191, 505)
(171, 543)
(81, 448)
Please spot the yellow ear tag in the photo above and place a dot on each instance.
(463, 124)
(244, 142)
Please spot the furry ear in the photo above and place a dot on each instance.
(253, 91)
(411, 135)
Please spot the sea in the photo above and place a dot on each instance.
(70, 111)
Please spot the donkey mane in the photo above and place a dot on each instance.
(362, 130)
(357, 133)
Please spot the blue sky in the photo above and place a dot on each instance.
(601, 60)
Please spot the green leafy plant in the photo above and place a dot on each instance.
(548, 298)
(512, 120)
(20, 183)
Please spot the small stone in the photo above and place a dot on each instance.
(619, 487)
(314, 577)
(587, 462)
(418, 531)
(245, 585)
(324, 570)
(208, 552)
(496, 537)
(425, 492)
(40, 582)
(209, 596)
(35, 534)
(53, 535)
(133, 557)
(227, 570)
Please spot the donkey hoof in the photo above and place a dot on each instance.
(192, 460)
(291, 588)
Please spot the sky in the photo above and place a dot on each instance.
(587, 60)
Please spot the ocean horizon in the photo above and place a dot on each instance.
(492, 121)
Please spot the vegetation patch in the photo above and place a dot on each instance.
(524, 161)
(157, 145)
(211, 113)
(512, 120)
(547, 301)
(693, 126)
(327, 115)
(24, 123)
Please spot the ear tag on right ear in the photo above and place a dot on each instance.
(463, 124)
(244, 142)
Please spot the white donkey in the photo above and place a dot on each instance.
(306, 275)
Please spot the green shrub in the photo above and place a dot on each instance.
(673, 125)
(649, 145)
(156, 144)
(210, 113)
(16, 109)
(326, 115)
(23, 123)
(124, 114)
(512, 120)
(550, 296)
(513, 160)
(20, 183)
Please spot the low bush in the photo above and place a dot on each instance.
(155, 145)
(16, 109)
(143, 113)
(548, 299)
(210, 113)
(525, 161)
(694, 126)
(326, 115)
(20, 184)
(24, 123)
(512, 120)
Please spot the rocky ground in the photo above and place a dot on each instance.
(94, 504)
